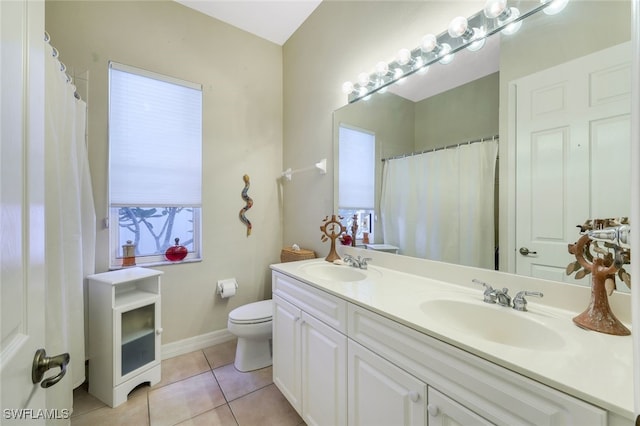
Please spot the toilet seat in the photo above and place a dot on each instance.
(252, 313)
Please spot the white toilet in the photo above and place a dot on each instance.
(252, 323)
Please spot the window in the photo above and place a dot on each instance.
(155, 163)
(356, 177)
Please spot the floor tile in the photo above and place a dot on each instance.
(182, 367)
(235, 384)
(220, 416)
(264, 407)
(185, 399)
(135, 411)
(221, 354)
(83, 401)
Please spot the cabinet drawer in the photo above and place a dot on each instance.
(499, 395)
(327, 308)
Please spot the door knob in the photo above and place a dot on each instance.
(525, 251)
(433, 410)
(42, 363)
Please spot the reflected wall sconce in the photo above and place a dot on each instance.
(470, 33)
(321, 166)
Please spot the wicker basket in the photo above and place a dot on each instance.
(290, 255)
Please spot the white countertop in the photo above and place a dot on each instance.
(594, 367)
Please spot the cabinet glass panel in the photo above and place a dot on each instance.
(138, 338)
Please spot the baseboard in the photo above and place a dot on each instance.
(191, 344)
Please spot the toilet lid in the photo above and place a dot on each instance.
(252, 312)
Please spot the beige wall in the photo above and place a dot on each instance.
(465, 113)
(241, 77)
(337, 42)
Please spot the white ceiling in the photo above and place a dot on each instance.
(277, 20)
(272, 20)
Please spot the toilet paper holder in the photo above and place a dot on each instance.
(229, 284)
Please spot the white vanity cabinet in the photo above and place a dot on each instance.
(444, 411)
(381, 393)
(310, 351)
(396, 374)
(464, 388)
(124, 332)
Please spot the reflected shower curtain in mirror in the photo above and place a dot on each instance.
(440, 205)
(70, 227)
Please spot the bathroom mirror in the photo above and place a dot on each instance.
(475, 97)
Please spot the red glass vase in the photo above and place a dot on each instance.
(177, 252)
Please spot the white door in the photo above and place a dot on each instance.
(444, 411)
(572, 156)
(381, 393)
(286, 351)
(324, 373)
(22, 237)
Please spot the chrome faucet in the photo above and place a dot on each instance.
(503, 298)
(493, 295)
(356, 262)
(520, 303)
(489, 292)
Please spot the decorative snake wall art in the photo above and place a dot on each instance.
(249, 204)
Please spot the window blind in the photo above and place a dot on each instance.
(356, 169)
(155, 139)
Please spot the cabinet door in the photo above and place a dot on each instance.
(381, 393)
(324, 373)
(286, 351)
(444, 411)
(136, 339)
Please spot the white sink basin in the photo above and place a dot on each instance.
(341, 273)
(494, 323)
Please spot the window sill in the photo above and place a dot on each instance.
(160, 263)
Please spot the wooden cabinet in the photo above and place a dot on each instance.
(124, 332)
(309, 356)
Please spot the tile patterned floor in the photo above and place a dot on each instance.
(197, 389)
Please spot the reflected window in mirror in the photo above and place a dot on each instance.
(356, 176)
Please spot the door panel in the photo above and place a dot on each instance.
(22, 289)
(572, 156)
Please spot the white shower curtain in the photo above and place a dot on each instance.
(440, 205)
(70, 226)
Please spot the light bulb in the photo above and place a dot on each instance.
(479, 40)
(382, 68)
(554, 6)
(494, 8)
(404, 56)
(398, 73)
(428, 43)
(446, 57)
(419, 63)
(423, 70)
(362, 91)
(513, 27)
(347, 87)
(363, 79)
(459, 27)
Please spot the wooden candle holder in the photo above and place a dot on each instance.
(332, 229)
(598, 315)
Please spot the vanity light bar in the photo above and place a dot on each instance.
(462, 33)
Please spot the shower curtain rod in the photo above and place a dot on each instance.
(455, 145)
